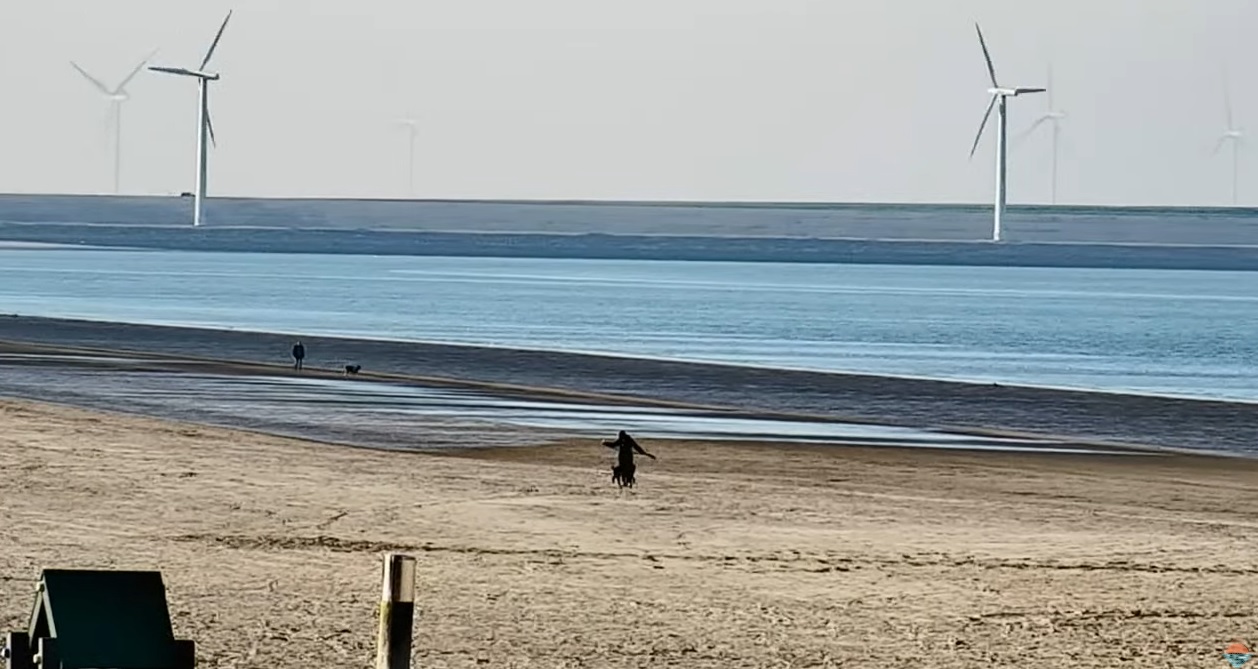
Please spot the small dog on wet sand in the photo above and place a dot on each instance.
(622, 475)
(352, 369)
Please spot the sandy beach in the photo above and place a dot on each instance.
(748, 555)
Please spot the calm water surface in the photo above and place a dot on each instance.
(1166, 332)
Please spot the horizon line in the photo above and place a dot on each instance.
(648, 202)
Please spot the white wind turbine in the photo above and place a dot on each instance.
(1000, 97)
(1233, 135)
(1054, 116)
(412, 129)
(116, 96)
(204, 125)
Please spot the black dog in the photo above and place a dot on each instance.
(352, 369)
(623, 471)
(622, 475)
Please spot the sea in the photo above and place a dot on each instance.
(1166, 332)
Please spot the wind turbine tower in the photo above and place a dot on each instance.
(1054, 116)
(1231, 135)
(116, 96)
(1000, 99)
(412, 130)
(205, 127)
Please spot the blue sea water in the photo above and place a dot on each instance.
(1166, 332)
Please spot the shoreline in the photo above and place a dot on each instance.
(647, 359)
(261, 397)
(1115, 418)
(642, 358)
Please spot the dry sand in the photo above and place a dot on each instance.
(725, 556)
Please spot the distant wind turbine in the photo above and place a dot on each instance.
(1000, 97)
(204, 124)
(1233, 135)
(412, 129)
(116, 96)
(1054, 116)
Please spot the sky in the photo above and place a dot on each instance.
(755, 100)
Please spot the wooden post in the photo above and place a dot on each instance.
(17, 651)
(397, 613)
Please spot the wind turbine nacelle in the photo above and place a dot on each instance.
(1014, 92)
(212, 76)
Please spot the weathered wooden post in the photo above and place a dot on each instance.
(397, 613)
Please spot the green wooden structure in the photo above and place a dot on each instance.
(99, 620)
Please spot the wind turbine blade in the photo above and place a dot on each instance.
(1050, 88)
(210, 54)
(1227, 102)
(983, 125)
(120, 88)
(1024, 91)
(1219, 146)
(1034, 126)
(95, 82)
(987, 56)
(209, 125)
(171, 70)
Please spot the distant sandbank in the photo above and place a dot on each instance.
(629, 246)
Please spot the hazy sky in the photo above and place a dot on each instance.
(834, 100)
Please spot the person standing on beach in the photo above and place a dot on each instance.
(623, 472)
(299, 355)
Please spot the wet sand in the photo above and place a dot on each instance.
(395, 412)
(727, 555)
(1072, 415)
